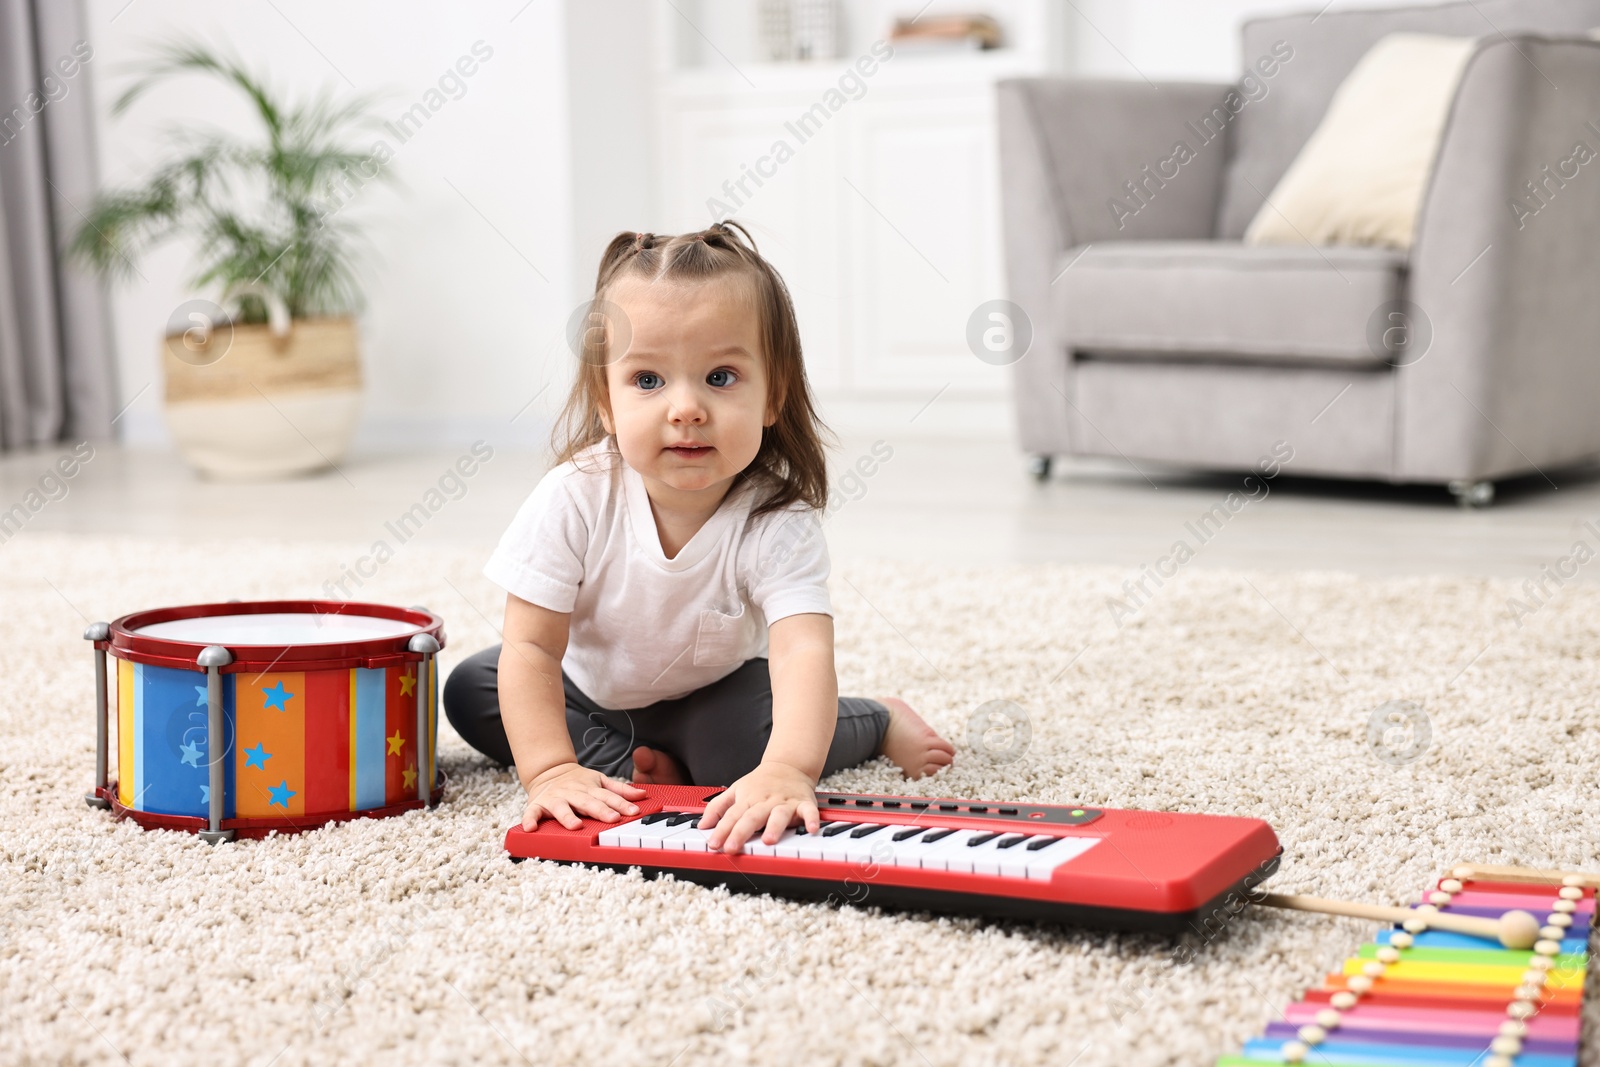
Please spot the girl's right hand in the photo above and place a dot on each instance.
(567, 792)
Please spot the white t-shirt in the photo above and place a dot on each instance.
(644, 627)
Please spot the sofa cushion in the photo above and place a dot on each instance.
(1225, 300)
(1324, 45)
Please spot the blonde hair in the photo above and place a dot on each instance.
(790, 465)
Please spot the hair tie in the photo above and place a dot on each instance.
(640, 241)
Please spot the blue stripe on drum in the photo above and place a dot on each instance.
(138, 737)
(371, 721)
(172, 752)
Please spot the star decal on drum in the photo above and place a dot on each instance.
(257, 757)
(281, 794)
(191, 754)
(205, 794)
(276, 696)
(410, 776)
(200, 696)
(408, 683)
(396, 743)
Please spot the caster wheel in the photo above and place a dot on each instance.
(1473, 494)
(1039, 467)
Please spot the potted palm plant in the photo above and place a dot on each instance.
(264, 379)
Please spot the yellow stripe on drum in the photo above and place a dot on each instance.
(1459, 973)
(352, 739)
(125, 732)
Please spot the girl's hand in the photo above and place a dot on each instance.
(567, 792)
(769, 796)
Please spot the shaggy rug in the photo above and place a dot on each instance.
(414, 940)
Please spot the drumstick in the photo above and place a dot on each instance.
(1514, 929)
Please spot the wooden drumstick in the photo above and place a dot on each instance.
(1514, 929)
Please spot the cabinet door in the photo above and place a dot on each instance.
(793, 213)
(921, 210)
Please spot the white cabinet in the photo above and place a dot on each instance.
(882, 212)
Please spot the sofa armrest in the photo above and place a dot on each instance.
(1504, 270)
(1094, 160)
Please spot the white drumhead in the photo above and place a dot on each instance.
(278, 629)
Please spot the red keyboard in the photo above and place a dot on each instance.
(1079, 865)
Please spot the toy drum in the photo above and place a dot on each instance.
(235, 720)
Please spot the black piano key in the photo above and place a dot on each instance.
(1042, 842)
(678, 818)
(801, 830)
(868, 830)
(651, 820)
(937, 835)
(1014, 839)
(982, 839)
(835, 828)
(913, 832)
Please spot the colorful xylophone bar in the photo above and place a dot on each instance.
(1415, 997)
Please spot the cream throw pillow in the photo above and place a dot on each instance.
(1359, 180)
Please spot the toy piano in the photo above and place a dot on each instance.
(1080, 865)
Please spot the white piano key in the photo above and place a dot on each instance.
(1043, 862)
(812, 846)
(634, 833)
(689, 838)
(951, 853)
(756, 847)
(909, 852)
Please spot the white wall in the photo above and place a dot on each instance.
(479, 251)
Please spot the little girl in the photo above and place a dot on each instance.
(667, 617)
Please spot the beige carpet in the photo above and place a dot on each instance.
(413, 940)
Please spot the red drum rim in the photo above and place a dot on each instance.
(124, 640)
(258, 827)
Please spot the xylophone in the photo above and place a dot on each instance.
(1416, 996)
(1081, 865)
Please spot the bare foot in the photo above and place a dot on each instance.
(911, 743)
(652, 767)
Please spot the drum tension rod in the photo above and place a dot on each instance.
(425, 645)
(211, 659)
(99, 632)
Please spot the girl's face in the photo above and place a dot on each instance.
(688, 399)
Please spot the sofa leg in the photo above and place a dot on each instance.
(1472, 494)
(1039, 467)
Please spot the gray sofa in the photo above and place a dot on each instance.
(1158, 335)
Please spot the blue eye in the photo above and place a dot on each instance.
(644, 380)
(722, 376)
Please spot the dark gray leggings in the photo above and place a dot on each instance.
(717, 733)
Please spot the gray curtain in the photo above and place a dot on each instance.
(56, 364)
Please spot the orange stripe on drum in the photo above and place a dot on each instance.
(271, 762)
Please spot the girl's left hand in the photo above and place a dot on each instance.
(769, 796)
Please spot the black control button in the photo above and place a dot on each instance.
(891, 803)
(868, 830)
(836, 800)
(937, 835)
(1008, 811)
(949, 807)
(977, 807)
(918, 805)
(982, 839)
(913, 832)
(1014, 839)
(863, 803)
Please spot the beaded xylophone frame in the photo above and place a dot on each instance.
(1422, 997)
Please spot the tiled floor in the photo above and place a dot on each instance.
(961, 502)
